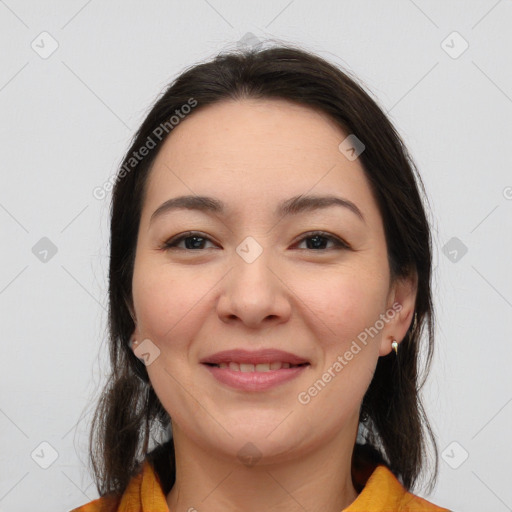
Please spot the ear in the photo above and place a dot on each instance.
(401, 301)
(134, 338)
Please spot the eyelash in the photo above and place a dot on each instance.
(172, 242)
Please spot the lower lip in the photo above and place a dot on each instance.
(255, 381)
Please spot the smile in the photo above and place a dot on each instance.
(260, 367)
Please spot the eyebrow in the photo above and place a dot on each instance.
(293, 206)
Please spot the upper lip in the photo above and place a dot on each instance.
(253, 357)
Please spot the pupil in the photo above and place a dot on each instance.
(194, 244)
(318, 239)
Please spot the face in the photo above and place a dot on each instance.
(307, 280)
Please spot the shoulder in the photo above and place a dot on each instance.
(143, 494)
(103, 504)
(383, 492)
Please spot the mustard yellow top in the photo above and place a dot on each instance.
(381, 493)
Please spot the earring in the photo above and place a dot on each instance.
(394, 346)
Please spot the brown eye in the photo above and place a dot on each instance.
(319, 238)
(193, 241)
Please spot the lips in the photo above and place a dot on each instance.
(244, 359)
(255, 371)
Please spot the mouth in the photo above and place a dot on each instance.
(259, 367)
(262, 360)
(255, 371)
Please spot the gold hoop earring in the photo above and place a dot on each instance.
(394, 346)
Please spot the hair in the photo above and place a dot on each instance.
(393, 424)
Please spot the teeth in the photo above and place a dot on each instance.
(260, 367)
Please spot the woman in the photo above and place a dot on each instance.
(270, 277)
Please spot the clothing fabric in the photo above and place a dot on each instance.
(382, 492)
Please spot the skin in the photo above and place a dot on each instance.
(190, 303)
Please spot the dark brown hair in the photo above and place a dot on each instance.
(393, 424)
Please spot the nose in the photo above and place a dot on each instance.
(254, 294)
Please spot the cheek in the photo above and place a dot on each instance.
(343, 309)
(167, 310)
(344, 303)
(163, 304)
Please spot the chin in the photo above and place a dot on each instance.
(252, 451)
(266, 440)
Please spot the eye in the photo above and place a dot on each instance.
(195, 241)
(319, 238)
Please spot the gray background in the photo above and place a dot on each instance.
(67, 118)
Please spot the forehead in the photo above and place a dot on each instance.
(250, 153)
(246, 128)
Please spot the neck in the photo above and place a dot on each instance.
(312, 481)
